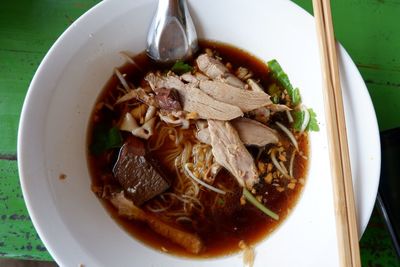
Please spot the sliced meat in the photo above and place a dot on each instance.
(216, 70)
(168, 99)
(261, 114)
(139, 94)
(230, 152)
(246, 100)
(139, 175)
(190, 78)
(169, 82)
(231, 79)
(126, 208)
(211, 67)
(252, 132)
(203, 136)
(195, 100)
(255, 86)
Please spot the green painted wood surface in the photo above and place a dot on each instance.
(368, 29)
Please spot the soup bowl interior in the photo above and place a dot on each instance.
(71, 221)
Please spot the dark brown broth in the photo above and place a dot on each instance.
(220, 236)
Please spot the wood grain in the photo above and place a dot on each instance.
(345, 212)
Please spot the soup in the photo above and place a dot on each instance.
(201, 159)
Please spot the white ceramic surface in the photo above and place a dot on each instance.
(72, 223)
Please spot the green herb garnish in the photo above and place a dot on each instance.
(279, 75)
(299, 116)
(313, 124)
(105, 139)
(181, 67)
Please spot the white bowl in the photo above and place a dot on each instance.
(70, 220)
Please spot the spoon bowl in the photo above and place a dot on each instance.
(172, 35)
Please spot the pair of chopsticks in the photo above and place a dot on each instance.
(346, 221)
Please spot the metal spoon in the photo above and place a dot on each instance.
(172, 35)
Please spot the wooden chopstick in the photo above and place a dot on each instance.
(345, 211)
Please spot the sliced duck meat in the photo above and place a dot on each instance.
(139, 94)
(190, 78)
(194, 79)
(195, 100)
(216, 70)
(168, 99)
(230, 152)
(252, 132)
(203, 135)
(139, 174)
(128, 209)
(170, 82)
(246, 100)
(255, 86)
(211, 67)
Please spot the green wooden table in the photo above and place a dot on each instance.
(368, 29)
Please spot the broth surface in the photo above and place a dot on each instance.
(220, 233)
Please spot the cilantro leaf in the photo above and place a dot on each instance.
(105, 139)
(298, 117)
(313, 124)
(181, 67)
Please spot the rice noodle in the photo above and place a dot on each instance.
(162, 134)
(306, 119)
(291, 163)
(121, 79)
(186, 153)
(184, 218)
(191, 175)
(289, 134)
(158, 210)
(277, 165)
(289, 116)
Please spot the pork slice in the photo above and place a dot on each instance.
(230, 152)
(252, 132)
(139, 175)
(127, 208)
(246, 100)
(216, 70)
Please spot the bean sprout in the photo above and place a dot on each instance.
(191, 175)
(289, 134)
